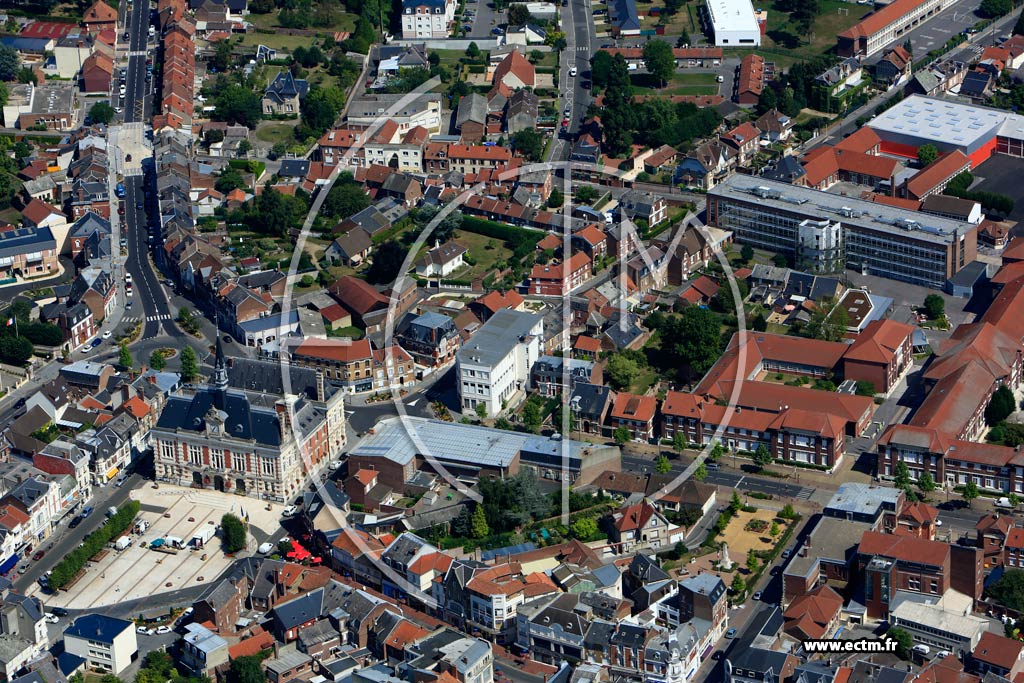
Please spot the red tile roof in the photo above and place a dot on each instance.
(879, 341)
(634, 407)
(519, 66)
(634, 517)
(1015, 539)
(357, 295)
(587, 344)
(751, 79)
(863, 140)
(366, 477)
(37, 211)
(496, 300)
(334, 349)
(252, 646)
(904, 548)
(877, 21)
(998, 650)
(938, 172)
(810, 614)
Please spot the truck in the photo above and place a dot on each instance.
(202, 536)
(174, 542)
(122, 543)
(111, 511)
(141, 526)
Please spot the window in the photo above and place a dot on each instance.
(238, 462)
(195, 455)
(268, 466)
(217, 458)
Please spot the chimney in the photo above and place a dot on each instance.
(284, 416)
(320, 391)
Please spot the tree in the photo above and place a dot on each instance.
(662, 465)
(124, 356)
(600, 66)
(970, 492)
(747, 253)
(555, 199)
(787, 512)
(248, 669)
(828, 321)
(679, 442)
(701, 473)
(735, 504)
(473, 51)
(101, 112)
(387, 263)
(345, 199)
(621, 435)
(935, 307)
(780, 261)
(235, 535)
(717, 451)
(774, 529)
(320, 109)
(926, 154)
(221, 59)
(481, 410)
(739, 586)
(752, 562)
(684, 37)
(529, 143)
(724, 299)
(1000, 406)
(157, 361)
(237, 104)
(244, 147)
(762, 456)
(189, 364)
(901, 477)
(518, 14)
(583, 528)
(229, 179)
(767, 100)
(693, 339)
(904, 641)
(10, 62)
(621, 370)
(995, 8)
(15, 350)
(478, 523)
(925, 483)
(585, 194)
(532, 416)
(659, 60)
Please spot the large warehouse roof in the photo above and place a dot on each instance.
(931, 119)
(733, 15)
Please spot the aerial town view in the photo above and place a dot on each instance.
(511, 341)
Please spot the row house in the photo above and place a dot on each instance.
(635, 414)
(952, 462)
(641, 526)
(355, 364)
(790, 434)
(559, 279)
(475, 158)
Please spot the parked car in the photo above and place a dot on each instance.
(39, 555)
(59, 611)
(51, 618)
(731, 633)
(757, 596)
(96, 342)
(75, 522)
(265, 548)
(87, 511)
(106, 335)
(163, 629)
(289, 511)
(145, 631)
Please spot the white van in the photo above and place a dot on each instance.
(922, 649)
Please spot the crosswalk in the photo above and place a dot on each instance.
(131, 320)
(157, 318)
(805, 493)
(149, 318)
(582, 48)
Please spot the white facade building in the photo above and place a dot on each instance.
(105, 643)
(733, 23)
(495, 364)
(427, 18)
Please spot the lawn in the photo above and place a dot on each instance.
(835, 17)
(276, 41)
(485, 258)
(682, 83)
(276, 132)
(268, 22)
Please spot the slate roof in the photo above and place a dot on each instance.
(98, 627)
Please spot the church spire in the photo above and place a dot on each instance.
(220, 370)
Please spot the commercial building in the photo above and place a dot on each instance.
(881, 28)
(241, 432)
(733, 23)
(493, 367)
(105, 643)
(943, 623)
(949, 126)
(875, 239)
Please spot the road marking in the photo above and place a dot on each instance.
(805, 493)
(156, 318)
(739, 482)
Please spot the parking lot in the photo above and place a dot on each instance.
(1000, 175)
(138, 571)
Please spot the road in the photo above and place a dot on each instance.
(579, 34)
(732, 480)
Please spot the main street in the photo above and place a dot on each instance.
(727, 479)
(579, 35)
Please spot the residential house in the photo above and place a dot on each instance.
(751, 79)
(815, 615)
(284, 95)
(515, 71)
(99, 16)
(105, 643)
(895, 66)
(442, 260)
(641, 526)
(522, 111)
(426, 19)
(558, 279)
(635, 414)
(743, 141)
(637, 205)
(774, 126)
(882, 354)
(350, 249)
(471, 118)
(432, 339)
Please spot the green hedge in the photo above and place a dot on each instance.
(94, 542)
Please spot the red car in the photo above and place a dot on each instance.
(565, 123)
(38, 556)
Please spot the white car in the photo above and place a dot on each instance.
(265, 548)
(573, 71)
(145, 631)
(163, 629)
(128, 291)
(289, 511)
(106, 335)
(51, 618)
(127, 277)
